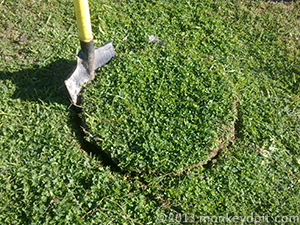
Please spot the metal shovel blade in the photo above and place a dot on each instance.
(81, 75)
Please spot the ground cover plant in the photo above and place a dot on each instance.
(226, 78)
(158, 110)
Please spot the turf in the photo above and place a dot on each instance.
(228, 70)
(154, 111)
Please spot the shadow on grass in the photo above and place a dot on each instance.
(46, 84)
(42, 83)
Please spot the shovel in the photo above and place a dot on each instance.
(89, 58)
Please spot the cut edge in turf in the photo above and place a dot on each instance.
(80, 128)
(222, 143)
(107, 160)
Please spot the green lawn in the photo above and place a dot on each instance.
(226, 80)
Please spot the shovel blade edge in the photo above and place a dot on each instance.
(81, 75)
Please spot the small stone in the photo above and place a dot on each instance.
(23, 38)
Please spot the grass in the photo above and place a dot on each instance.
(165, 117)
(226, 78)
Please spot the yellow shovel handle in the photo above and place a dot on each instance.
(83, 20)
